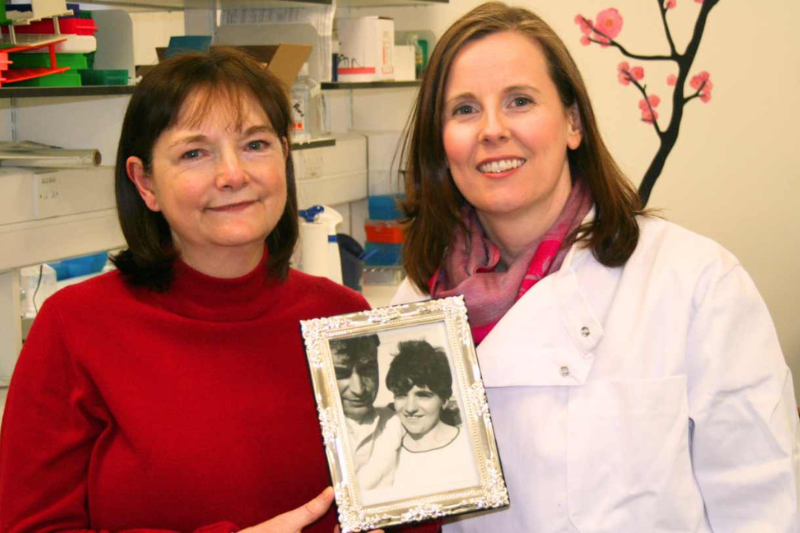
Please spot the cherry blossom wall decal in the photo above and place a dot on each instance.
(604, 30)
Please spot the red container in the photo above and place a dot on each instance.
(73, 26)
(384, 231)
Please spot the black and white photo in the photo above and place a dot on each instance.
(403, 414)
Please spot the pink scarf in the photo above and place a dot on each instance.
(469, 265)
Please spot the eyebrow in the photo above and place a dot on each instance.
(260, 128)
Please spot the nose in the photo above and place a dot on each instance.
(230, 171)
(411, 404)
(356, 386)
(493, 126)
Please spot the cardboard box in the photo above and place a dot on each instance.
(366, 49)
(404, 67)
(282, 60)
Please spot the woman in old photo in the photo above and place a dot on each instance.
(434, 455)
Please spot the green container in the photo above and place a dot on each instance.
(73, 61)
(64, 79)
(104, 77)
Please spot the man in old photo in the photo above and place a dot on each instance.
(375, 433)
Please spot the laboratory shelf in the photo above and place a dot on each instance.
(333, 86)
(230, 4)
(315, 143)
(44, 92)
(113, 90)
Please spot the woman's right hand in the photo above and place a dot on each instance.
(295, 520)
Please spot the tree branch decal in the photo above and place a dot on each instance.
(604, 31)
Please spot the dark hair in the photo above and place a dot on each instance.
(432, 205)
(418, 363)
(357, 348)
(222, 75)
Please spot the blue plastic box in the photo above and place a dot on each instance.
(384, 206)
(381, 254)
(79, 266)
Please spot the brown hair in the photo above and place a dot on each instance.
(222, 75)
(432, 204)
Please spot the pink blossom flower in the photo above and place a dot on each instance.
(623, 73)
(609, 23)
(584, 23)
(671, 4)
(705, 93)
(653, 100)
(585, 41)
(648, 116)
(699, 80)
(672, 80)
(698, 1)
(649, 113)
(702, 83)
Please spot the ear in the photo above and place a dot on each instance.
(285, 143)
(574, 127)
(143, 182)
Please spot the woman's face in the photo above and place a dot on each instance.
(220, 185)
(506, 132)
(419, 410)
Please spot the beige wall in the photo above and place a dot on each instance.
(734, 174)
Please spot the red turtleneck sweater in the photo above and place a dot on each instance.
(178, 411)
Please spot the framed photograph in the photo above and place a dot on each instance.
(404, 417)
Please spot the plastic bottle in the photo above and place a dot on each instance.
(419, 57)
(301, 107)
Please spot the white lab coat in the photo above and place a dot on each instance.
(644, 399)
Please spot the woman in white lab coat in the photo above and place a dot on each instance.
(633, 372)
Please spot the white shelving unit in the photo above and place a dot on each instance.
(76, 117)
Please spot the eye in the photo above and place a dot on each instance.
(191, 154)
(464, 109)
(521, 101)
(257, 145)
(343, 372)
(425, 394)
(367, 368)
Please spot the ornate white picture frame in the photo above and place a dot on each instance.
(398, 448)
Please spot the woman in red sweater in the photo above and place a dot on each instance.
(183, 402)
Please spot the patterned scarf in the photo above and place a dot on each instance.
(470, 264)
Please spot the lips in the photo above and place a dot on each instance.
(500, 166)
(238, 206)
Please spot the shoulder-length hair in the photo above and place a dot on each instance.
(226, 76)
(432, 204)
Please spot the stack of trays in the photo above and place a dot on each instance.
(38, 56)
(384, 243)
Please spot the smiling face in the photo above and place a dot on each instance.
(506, 132)
(220, 182)
(419, 409)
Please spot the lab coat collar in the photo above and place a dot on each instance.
(548, 337)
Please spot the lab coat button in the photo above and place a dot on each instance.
(564, 371)
(585, 331)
